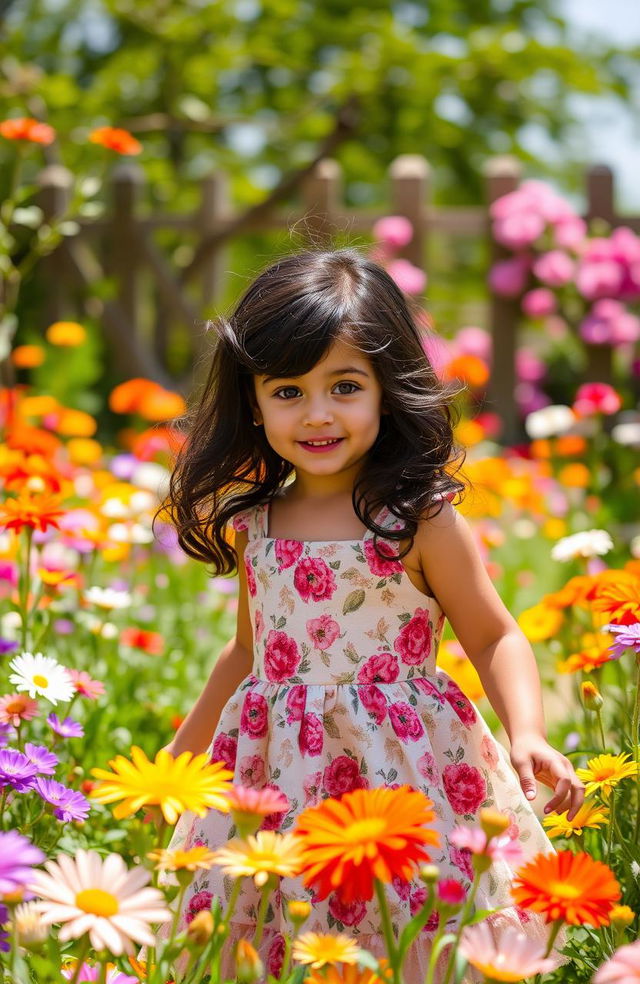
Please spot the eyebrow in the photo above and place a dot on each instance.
(349, 370)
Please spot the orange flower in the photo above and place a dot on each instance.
(113, 138)
(25, 128)
(26, 510)
(573, 593)
(161, 404)
(349, 974)
(53, 579)
(366, 834)
(27, 356)
(618, 596)
(469, 369)
(66, 333)
(127, 397)
(574, 476)
(567, 886)
(75, 423)
(148, 642)
(33, 440)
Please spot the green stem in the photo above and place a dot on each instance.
(262, 911)
(466, 911)
(600, 726)
(24, 586)
(387, 930)
(176, 914)
(84, 949)
(612, 820)
(555, 929)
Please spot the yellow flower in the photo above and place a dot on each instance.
(266, 853)
(318, 949)
(350, 974)
(604, 772)
(187, 782)
(589, 815)
(540, 622)
(454, 661)
(191, 860)
(66, 333)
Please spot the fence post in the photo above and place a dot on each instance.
(128, 180)
(214, 206)
(410, 187)
(502, 175)
(322, 196)
(600, 205)
(55, 183)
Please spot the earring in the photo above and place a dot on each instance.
(256, 423)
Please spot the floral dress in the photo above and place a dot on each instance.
(344, 694)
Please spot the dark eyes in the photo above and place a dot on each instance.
(290, 392)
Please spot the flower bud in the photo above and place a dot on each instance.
(200, 928)
(429, 874)
(299, 910)
(493, 823)
(31, 930)
(621, 915)
(591, 696)
(249, 968)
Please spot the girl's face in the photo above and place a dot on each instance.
(338, 401)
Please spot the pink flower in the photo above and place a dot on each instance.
(314, 580)
(602, 278)
(251, 768)
(259, 624)
(275, 957)
(510, 951)
(254, 717)
(296, 700)
(281, 656)
(461, 858)
(417, 900)
(373, 701)
(474, 341)
(348, 913)
(460, 704)
(343, 775)
(85, 686)
(273, 821)
(451, 892)
(470, 838)
(239, 522)
(198, 902)
(622, 968)
(394, 230)
(323, 631)
(429, 688)
(381, 568)
(518, 230)
(287, 552)
(225, 749)
(570, 233)
(465, 787)
(609, 323)
(379, 668)
(251, 578)
(509, 277)
(403, 888)
(554, 268)
(488, 751)
(311, 735)
(414, 639)
(427, 767)
(312, 786)
(405, 722)
(529, 367)
(594, 398)
(473, 839)
(539, 302)
(409, 278)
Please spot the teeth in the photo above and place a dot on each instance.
(322, 443)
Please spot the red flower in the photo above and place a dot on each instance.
(378, 566)
(225, 749)
(281, 656)
(311, 736)
(379, 668)
(314, 580)
(461, 705)
(287, 552)
(405, 722)
(414, 639)
(25, 128)
(149, 642)
(296, 700)
(465, 787)
(373, 701)
(113, 138)
(343, 776)
(254, 717)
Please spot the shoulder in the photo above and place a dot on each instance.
(446, 546)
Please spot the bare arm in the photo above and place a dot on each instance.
(231, 667)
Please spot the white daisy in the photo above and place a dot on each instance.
(589, 543)
(29, 926)
(108, 598)
(41, 676)
(101, 897)
(549, 421)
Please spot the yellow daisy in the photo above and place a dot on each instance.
(318, 949)
(191, 860)
(604, 772)
(188, 782)
(589, 815)
(266, 853)
(540, 622)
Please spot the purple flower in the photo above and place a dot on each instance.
(17, 854)
(627, 637)
(69, 804)
(67, 728)
(6, 733)
(44, 760)
(7, 646)
(16, 770)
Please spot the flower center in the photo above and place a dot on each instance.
(564, 891)
(363, 830)
(604, 772)
(40, 681)
(97, 902)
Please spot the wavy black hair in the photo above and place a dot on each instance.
(283, 326)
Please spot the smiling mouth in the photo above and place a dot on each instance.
(322, 445)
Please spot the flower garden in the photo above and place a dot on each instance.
(107, 632)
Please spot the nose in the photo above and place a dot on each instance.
(317, 412)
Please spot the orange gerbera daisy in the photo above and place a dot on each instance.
(567, 886)
(573, 593)
(114, 138)
(366, 834)
(26, 128)
(26, 510)
(618, 596)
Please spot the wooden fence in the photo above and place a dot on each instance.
(154, 298)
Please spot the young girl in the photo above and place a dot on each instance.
(324, 438)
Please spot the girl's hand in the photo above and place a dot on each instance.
(533, 758)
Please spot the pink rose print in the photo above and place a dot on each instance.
(374, 702)
(414, 639)
(275, 957)
(225, 749)
(343, 775)
(417, 900)
(403, 888)
(312, 786)
(259, 624)
(287, 552)
(296, 700)
(239, 522)
(513, 830)
(252, 772)
(323, 631)
(281, 656)
(273, 821)
(405, 722)
(461, 857)
(488, 751)
(429, 688)
(380, 668)
(461, 704)
(251, 578)
(254, 716)
(427, 767)
(311, 735)
(198, 902)
(378, 566)
(349, 914)
(314, 580)
(465, 787)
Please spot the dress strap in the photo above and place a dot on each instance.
(254, 521)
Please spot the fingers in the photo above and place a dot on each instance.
(568, 796)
